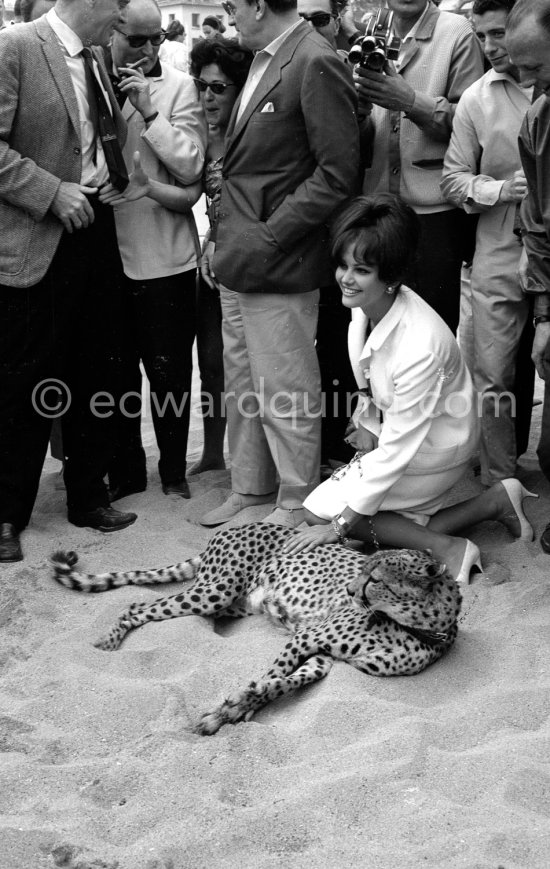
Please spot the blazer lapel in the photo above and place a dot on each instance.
(59, 70)
(269, 80)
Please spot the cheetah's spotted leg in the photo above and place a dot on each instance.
(242, 705)
(202, 599)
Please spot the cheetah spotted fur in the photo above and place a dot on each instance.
(389, 614)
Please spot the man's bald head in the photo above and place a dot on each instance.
(528, 42)
(142, 23)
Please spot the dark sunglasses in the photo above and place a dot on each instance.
(217, 87)
(318, 19)
(140, 41)
(229, 7)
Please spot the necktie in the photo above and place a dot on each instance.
(104, 125)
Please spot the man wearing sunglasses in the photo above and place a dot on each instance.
(158, 244)
(323, 16)
(291, 158)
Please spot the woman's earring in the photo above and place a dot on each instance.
(390, 290)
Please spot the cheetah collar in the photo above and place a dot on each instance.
(429, 638)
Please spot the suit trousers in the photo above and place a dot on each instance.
(337, 380)
(66, 327)
(273, 393)
(543, 449)
(435, 275)
(160, 330)
(497, 323)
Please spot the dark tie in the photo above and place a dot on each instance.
(104, 125)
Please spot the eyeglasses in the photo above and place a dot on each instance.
(217, 87)
(229, 7)
(140, 41)
(318, 19)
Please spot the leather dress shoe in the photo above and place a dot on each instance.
(545, 539)
(10, 547)
(181, 489)
(104, 519)
(122, 490)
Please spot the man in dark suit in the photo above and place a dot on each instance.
(291, 158)
(60, 271)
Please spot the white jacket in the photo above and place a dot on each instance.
(421, 386)
(154, 241)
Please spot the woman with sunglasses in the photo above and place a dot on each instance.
(220, 67)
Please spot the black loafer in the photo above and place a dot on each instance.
(104, 519)
(181, 489)
(10, 547)
(545, 539)
(124, 489)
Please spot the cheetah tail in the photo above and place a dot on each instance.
(64, 564)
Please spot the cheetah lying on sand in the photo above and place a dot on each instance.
(389, 614)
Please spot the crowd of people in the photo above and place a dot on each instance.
(361, 215)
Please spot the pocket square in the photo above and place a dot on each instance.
(269, 107)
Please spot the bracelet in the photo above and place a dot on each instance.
(341, 528)
(151, 118)
(339, 531)
(544, 318)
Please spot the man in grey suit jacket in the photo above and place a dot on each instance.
(60, 270)
(291, 158)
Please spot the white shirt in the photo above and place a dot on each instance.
(92, 174)
(261, 61)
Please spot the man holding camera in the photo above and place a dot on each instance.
(411, 103)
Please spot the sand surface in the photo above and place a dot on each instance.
(100, 767)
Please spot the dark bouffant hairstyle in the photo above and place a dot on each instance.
(174, 29)
(480, 7)
(381, 230)
(232, 58)
(214, 22)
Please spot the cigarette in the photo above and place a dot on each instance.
(136, 64)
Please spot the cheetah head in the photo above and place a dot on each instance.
(410, 587)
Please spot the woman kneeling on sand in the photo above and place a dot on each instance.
(415, 428)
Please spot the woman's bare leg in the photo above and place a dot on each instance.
(492, 504)
(392, 529)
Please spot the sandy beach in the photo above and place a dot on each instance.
(101, 768)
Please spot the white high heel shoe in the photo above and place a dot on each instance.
(516, 494)
(471, 560)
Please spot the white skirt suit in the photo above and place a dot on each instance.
(423, 410)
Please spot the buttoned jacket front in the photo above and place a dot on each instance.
(39, 146)
(423, 406)
(440, 62)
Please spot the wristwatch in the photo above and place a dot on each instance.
(543, 318)
(341, 527)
